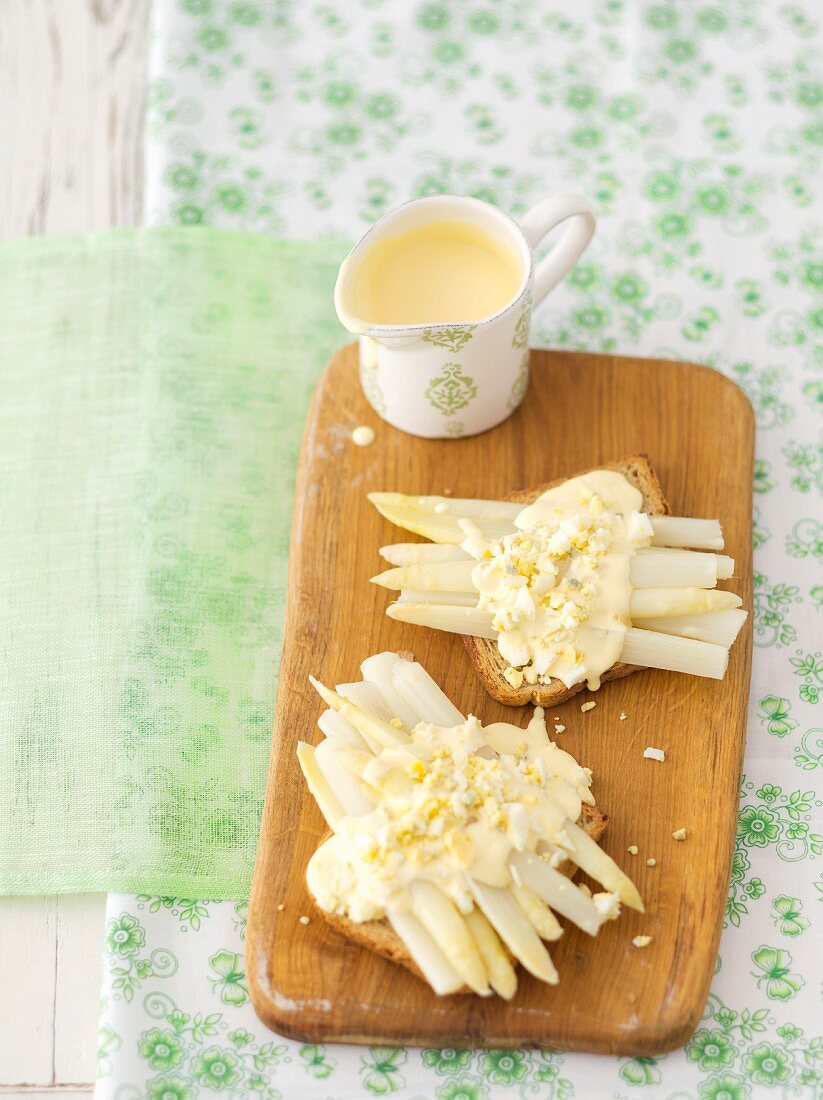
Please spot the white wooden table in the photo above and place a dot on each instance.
(72, 102)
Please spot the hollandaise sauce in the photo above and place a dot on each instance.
(440, 272)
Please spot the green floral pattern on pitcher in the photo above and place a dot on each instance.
(451, 338)
(371, 388)
(520, 384)
(695, 130)
(521, 329)
(451, 391)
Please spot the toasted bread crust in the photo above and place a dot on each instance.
(380, 937)
(485, 656)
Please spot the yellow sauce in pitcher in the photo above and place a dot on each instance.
(440, 272)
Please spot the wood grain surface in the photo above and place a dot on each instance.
(308, 982)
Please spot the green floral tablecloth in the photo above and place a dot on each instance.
(695, 127)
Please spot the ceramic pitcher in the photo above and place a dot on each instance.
(450, 380)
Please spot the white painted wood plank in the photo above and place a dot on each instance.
(28, 939)
(72, 101)
(80, 923)
(53, 1093)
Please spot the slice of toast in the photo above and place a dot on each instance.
(490, 666)
(380, 937)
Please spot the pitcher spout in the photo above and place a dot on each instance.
(343, 299)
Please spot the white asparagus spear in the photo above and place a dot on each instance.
(414, 683)
(428, 553)
(496, 518)
(558, 892)
(542, 919)
(377, 779)
(421, 553)
(368, 697)
(724, 564)
(685, 531)
(436, 968)
(716, 627)
(651, 649)
(347, 787)
(673, 569)
(369, 725)
(502, 977)
(646, 603)
(645, 648)
(443, 576)
(650, 603)
(442, 528)
(453, 599)
(455, 620)
(664, 569)
(442, 920)
(317, 783)
(462, 507)
(334, 725)
(378, 670)
(513, 928)
(590, 857)
(355, 760)
(365, 739)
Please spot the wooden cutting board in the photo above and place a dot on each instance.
(307, 981)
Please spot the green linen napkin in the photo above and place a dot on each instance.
(154, 387)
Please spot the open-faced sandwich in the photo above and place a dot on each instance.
(451, 842)
(573, 583)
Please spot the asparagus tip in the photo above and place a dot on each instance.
(385, 579)
(330, 698)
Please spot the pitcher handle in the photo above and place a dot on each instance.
(544, 217)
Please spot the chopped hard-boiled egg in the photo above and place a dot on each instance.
(452, 831)
(651, 753)
(567, 586)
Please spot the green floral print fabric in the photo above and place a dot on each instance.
(696, 130)
(177, 1022)
(152, 410)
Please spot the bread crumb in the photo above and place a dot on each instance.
(632, 849)
(582, 886)
(559, 728)
(654, 754)
(280, 907)
(623, 716)
(441, 508)
(588, 706)
(447, 492)
(363, 435)
(651, 862)
(513, 676)
(397, 723)
(405, 655)
(679, 834)
(642, 941)
(304, 920)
